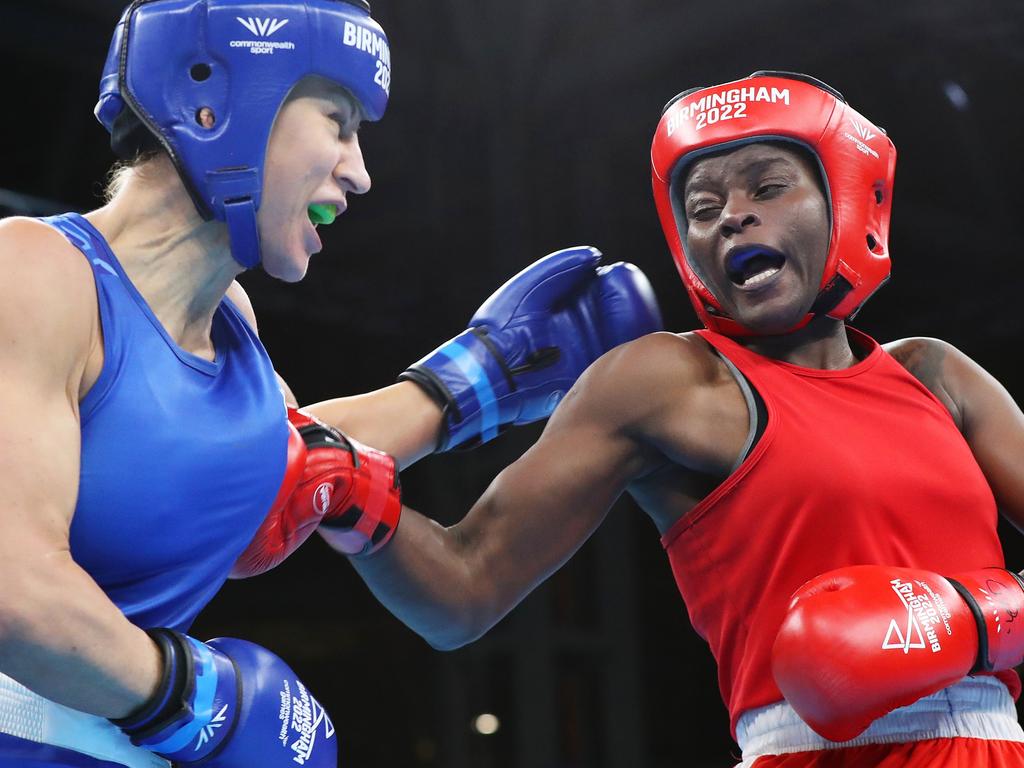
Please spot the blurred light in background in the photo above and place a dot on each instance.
(486, 724)
(957, 95)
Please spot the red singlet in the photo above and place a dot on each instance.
(857, 466)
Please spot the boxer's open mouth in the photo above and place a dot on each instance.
(750, 265)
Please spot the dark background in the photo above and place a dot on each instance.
(516, 128)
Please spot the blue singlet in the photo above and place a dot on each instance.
(181, 457)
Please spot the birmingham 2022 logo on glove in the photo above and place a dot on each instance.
(301, 717)
(924, 613)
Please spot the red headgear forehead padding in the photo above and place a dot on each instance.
(857, 159)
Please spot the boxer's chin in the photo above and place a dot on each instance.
(773, 318)
(288, 264)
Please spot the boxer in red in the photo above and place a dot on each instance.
(774, 445)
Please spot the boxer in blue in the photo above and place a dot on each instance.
(144, 432)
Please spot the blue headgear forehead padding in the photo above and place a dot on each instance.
(173, 63)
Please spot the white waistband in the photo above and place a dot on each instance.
(27, 715)
(976, 707)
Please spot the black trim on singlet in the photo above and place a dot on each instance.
(755, 408)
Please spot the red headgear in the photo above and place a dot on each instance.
(857, 159)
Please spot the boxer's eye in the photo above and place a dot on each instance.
(769, 189)
(702, 210)
(345, 125)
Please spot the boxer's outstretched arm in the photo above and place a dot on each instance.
(526, 345)
(400, 420)
(59, 633)
(452, 584)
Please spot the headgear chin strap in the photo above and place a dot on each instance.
(857, 160)
(206, 78)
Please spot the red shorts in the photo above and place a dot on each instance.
(933, 753)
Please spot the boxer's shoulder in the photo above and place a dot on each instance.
(33, 241)
(48, 295)
(236, 295)
(36, 257)
(675, 355)
(942, 368)
(918, 352)
(658, 382)
(658, 366)
(694, 415)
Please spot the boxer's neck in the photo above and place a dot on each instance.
(179, 263)
(821, 344)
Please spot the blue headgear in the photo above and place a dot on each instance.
(170, 60)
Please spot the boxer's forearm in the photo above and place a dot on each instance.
(400, 420)
(424, 578)
(452, 584)
(61, 637)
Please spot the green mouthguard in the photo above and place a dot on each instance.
(322, 214)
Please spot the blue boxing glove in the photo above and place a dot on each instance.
(229, 703)
(531, 340)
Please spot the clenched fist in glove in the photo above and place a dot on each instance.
(859, 642)
(330, 480)
(229, 703)
(531, 340)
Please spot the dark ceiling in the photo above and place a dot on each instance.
(516, 128)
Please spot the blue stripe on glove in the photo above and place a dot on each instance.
(479, 382)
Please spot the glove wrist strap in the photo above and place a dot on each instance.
(173, 692)
(469, 378)
(982, 663)
(195, 707)
(374, 507)
(995, 597)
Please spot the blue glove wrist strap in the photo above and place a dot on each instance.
(173, 693)
(194, 709)
(472, 378)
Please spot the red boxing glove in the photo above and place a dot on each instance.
(858, 642)
(330, 480)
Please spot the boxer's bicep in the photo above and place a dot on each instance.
(39, 461)
(993, 426)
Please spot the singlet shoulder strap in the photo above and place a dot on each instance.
(71, 226)
(756, 409)
(106, 276)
